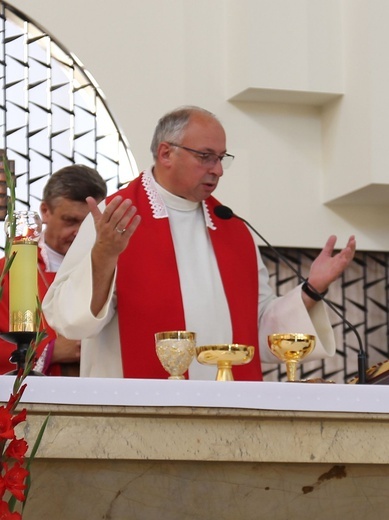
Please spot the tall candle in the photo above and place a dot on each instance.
(23, 287)
(23, 274)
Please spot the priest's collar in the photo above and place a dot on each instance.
(51, 258)
(161, 199)
(174, 202)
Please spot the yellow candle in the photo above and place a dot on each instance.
(23, 287)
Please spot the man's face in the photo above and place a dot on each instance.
(62, 222)
(188, 176)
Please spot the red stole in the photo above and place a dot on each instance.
(149, 295)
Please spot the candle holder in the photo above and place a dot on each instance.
(18, 356)
(23, 230)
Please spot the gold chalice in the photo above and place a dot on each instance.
(291, 348)
(224, 356)
(175, 350)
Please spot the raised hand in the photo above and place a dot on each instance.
(327, 267)
(114, 228)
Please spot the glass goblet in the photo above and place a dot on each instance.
(175, 350)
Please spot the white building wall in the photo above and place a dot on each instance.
(301, 87)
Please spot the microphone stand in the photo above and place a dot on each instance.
(361, 353)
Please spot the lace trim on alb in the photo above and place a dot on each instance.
(40, 363)
(207, 216)
(156, 201)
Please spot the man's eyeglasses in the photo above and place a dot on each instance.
(209, 158)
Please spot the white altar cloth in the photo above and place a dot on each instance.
(230, 394)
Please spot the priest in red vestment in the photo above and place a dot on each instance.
(154, 257)
(63, 209)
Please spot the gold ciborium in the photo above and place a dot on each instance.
(224, 356)
(175, 350)
(291, 348)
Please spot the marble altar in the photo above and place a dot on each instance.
(285, 458)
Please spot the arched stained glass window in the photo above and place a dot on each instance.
(52, 112)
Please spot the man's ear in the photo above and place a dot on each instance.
(164, 154)
(44, 211)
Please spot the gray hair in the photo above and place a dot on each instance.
(171, 126)
(75, 182)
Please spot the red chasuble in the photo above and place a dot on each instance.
(148, 289)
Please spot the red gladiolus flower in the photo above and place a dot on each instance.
(11, 401)
(5, 513)
(20, 417)
(14, 398)
(2, 487)
(6, 426)
(17, 449)
(14, 480)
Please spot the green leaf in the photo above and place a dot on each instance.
(37, 442)
(8, 258)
